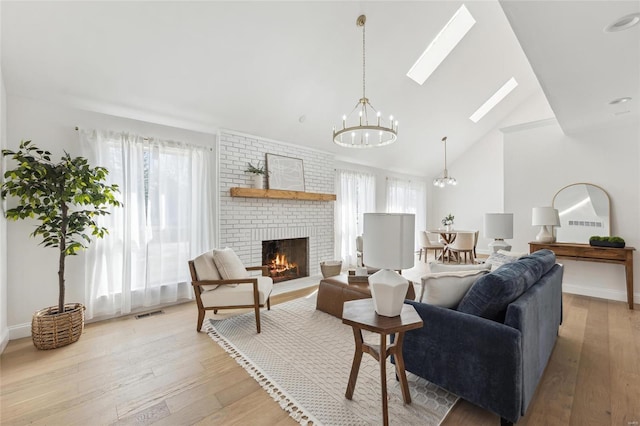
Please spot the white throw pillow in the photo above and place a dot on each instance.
(229, 264)
(441, 267)
(446, 289)
(502, 257)
(206, 269)
(516, 254)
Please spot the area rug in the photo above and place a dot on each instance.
(303, 357)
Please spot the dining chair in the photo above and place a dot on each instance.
(463, 244)
(426, 244)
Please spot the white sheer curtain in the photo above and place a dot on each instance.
(167, 219)
(355, 195)
(406, 196)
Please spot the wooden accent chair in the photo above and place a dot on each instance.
(427, 244)
(463, 243)
(220, 281)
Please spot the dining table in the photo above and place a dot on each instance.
(447, 236)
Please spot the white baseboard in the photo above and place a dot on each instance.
(19, 331)
(599, 292)
(4, 340)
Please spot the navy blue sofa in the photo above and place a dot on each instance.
(493, 348)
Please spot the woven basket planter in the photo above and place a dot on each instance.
(50, 329)
(331, 268)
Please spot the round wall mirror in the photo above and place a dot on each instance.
(584, 211)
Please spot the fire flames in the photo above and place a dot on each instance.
(280, 265)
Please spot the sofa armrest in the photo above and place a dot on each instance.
(478, 359)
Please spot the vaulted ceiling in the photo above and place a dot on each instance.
(289, 70)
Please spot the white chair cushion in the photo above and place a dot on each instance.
(206, 269)
(441, 267)
(229, 264)
(446, 289)
(241, 294)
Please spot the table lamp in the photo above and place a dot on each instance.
(389, 244)
(546, 218)
(500, 227)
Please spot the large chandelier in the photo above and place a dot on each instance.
(366, 129)
(445, 179)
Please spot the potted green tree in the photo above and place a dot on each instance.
(65, 198)
(257, 172)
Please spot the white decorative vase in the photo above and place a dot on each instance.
(388, 291)
(448, 228)
(258, 181)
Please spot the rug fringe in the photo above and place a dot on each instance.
(286, 402)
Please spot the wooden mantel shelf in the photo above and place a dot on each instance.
(280, 194)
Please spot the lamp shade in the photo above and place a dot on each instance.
(389, 240)
(498, 225)
(542, 216)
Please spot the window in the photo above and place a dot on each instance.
(355, 195)
(405, 196)
(166, 220)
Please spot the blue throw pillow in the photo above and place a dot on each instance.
(492, 293)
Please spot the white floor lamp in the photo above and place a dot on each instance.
(389, 244)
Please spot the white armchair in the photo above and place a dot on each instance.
(220, 281)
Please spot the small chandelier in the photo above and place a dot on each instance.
(367, 129)
(445, 179)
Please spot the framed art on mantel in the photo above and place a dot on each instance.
(285, 173)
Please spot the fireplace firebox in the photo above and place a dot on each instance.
(287, 259)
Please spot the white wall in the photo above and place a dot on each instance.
(32, 270)
(4, 327)
(527, 165)
(541, 160)
(246, 222)
(480, 175)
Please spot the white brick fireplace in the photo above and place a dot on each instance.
(246, 222)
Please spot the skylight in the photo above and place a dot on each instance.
(446, 40)
(494, 100)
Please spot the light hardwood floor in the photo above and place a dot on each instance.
(159, 371)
